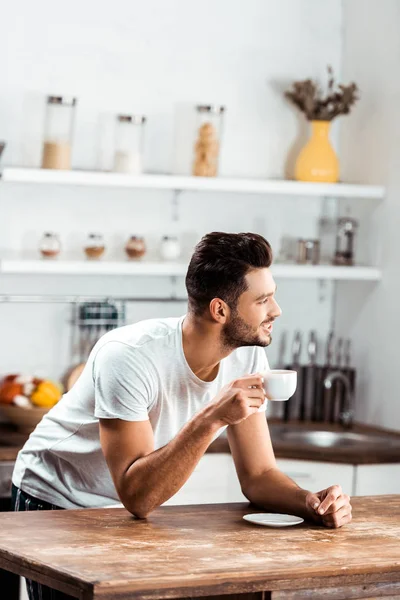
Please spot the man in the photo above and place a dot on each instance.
(154, 395)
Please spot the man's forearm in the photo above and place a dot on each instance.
(153, 479)
(276, 492)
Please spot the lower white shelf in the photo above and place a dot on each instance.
(178, 269)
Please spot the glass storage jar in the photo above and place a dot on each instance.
(129, 142)
(345, 241)
(170, 248)
(49, 245)
(94, 246)
(59, 125)
(135, 247)
(208, 140)
(308, 252)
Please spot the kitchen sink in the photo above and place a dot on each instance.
(332, 439)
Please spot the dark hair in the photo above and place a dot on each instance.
(219, 265)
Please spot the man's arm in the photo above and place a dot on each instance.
(265, 485)
(145, 478)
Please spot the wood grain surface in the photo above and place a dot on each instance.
(206, 550)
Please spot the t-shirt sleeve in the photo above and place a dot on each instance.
(123, 387)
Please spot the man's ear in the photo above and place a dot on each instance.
(219, 310)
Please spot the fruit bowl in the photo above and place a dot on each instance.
(25, 419)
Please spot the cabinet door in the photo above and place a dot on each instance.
(376, 480)
(316, 476)
(209, 482)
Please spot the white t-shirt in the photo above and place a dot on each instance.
(134, 373)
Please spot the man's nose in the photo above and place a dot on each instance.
(276, 310)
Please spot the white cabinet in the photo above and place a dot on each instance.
(214, 480)
(210, 482)
(376, 480)
(315, 476)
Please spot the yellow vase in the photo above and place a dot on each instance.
(317, 161)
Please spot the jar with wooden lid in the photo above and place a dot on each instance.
(49, 245)
(94, 246)
(129, 142)
(59, 125)
(135, 247)
(207, 145)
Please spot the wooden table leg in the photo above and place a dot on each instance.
(8, 581)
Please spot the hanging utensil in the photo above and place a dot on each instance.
(338, 389)
(308, 397)
(276, 409)
(327, 393)
(291, 409)
(348, 370)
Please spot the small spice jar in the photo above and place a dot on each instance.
(94, 247)
(60, 115)
(208, 140)
(135, 247)
(170, 248)
(345, 241)
(308, 252)
(49, 245)
(129, 142)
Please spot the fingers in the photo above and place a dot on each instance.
(339, 518)
(249, 381)
(251, 398)
(340, 502)
(331, 495)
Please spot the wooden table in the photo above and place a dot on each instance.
(205, 550)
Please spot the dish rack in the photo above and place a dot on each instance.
(91, 320)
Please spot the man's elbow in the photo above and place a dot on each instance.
(138, 510)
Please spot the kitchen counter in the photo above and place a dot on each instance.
(208, 550)
(11, 441)
(359, 454)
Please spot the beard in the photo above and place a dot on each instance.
(237, 333)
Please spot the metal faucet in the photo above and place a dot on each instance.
(346, 417)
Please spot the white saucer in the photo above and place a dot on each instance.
(273, 519)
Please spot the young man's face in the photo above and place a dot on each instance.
(250, 324)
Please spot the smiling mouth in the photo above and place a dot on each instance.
(267, 326)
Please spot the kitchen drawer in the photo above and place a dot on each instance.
(316, 476)
(376, 480)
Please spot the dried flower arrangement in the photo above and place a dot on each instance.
(317, 106)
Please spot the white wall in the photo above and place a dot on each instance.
(148, 57)
(370, 151)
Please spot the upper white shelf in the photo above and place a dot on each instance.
(200, 184)
(178, 269)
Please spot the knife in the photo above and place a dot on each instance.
(291, 405)
(327, 393)
(276, 409)
(309, 379)
(338, 389)
(348, 369)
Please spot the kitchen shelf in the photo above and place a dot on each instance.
(199, 184)
(177, 269)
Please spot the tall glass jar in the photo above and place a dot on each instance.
(59, 125)
(208, 140)
(345, 241)
(129, 142)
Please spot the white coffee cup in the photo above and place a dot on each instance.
(279, 385)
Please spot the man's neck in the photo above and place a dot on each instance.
(202, 347)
